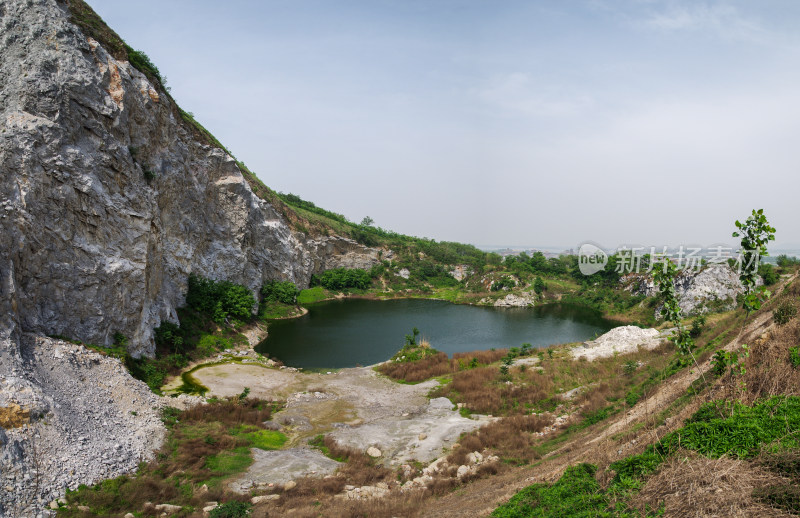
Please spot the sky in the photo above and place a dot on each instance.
(536, 123)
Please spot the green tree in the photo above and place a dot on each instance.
(284, 292)
(539, 286)
(755, 232)
(664, 275)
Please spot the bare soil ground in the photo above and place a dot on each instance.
(359, 407)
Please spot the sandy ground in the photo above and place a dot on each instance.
(360, 408)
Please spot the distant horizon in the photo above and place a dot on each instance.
(795, 250)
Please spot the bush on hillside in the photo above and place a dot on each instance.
(219, 299)
(284, 292)
(340, 279)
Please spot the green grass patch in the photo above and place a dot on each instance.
(718, 428)
(272, 310)
(724, 428)
(207, 444)
(312, 295)
(260, 438)
(576, 494)
(227, 463)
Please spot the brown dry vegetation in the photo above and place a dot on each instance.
(510, 438)
(13, 416)
(437, 365)
(316, 496)
(691, 485)
(769, 371)
(485, 390)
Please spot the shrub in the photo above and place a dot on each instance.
(768, 273)
(630, 367)
(505, 282)
(785, 311)
(120, 340)
(219, 299)
(169, 336)
(697, 326)
(232, 509)
(142, 62)
(340, 279)
(284, 292)
(784, 261)
(794, 356)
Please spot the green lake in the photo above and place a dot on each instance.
(351, 332)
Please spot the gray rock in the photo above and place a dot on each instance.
(715, 286)
(89, 247)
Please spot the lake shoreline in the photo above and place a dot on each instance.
(350, 331)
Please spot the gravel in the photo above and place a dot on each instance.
(89, 421)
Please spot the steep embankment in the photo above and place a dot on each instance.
(110, 196)
(110, 200)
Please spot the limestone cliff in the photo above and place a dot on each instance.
(108, 198)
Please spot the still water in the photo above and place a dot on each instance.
(350, 332)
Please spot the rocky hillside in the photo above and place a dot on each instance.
(110, 196)
(710, 288)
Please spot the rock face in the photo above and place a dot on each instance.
(109, 199)
(698, 292)
(620, 340)
(522, 300)
(88, 245)
(461, 272)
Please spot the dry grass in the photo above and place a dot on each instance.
(691, 485)
(485, 390)
(769, 371)
(511, 438)
(429, 367)
(396, 504)
(482, 357)
(437, 365)
(13, 416)
(358, 470)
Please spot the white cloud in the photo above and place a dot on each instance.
(721, 19)
(520, 93)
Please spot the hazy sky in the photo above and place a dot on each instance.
(499, 122)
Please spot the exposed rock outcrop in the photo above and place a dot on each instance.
(109, 198)
(620, 340)
(714, 287)
(461, 272)
(521, 300)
